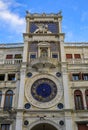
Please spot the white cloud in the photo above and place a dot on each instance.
(14, 21)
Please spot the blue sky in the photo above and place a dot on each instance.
(74, 23)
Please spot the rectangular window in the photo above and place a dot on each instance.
(77, 56)
(54, 55)
(11, 77)
(75, 77)
(9, 56)
(33, 56)
(68, 56)
(5, 126)
(2, 77)
(85, 76)
(18, 56)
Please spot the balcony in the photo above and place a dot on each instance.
(77, 61)
(44, 62)
(11, 61)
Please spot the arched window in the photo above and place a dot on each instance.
(5, 127)
(8, 99)
(78, 100)
(86, 96)
(0, 97)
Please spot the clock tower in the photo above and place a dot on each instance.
(43, 95)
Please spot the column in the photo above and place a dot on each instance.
(59, 24)
(84, 100)
(19, 117)
(49, 52)
(3, 100)
(66, 89)
(62, 51)
(25, 52)
(39, 51)
(68, 122)
(6, 77)
(21, 89)
(27, 25)
(17, 93)
(19, 122)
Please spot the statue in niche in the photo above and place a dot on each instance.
(44, 52)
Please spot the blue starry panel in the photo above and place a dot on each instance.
(52, 27)
(54, 46)
(33, 47)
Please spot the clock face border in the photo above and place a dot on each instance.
(50, 103)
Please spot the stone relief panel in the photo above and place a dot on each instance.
(51, 26)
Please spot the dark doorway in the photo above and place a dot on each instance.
(44, 126)
(82, 127)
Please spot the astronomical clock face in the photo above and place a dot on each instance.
(44, 90)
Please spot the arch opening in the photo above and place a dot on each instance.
(44, 126)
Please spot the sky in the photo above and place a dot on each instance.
(13, 12)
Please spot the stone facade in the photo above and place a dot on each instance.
(44, 82)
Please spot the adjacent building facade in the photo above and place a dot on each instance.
(44, 82)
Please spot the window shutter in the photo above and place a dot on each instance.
(77, 56)
(68, 56)
(9, 56)
(18, 56)
(70, 76)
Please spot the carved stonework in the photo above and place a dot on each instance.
(42, 28)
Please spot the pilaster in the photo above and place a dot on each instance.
(66, 89)
(25, 52)
(84, 100)
(62, 51)
(68, 122)
(3, 99)
(59, 24)
(21, 89)
(19, 122)
(27, 25)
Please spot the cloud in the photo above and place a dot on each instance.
(13, 20)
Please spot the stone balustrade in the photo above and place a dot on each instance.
(11, 61)
(75, 61)
(44, 60)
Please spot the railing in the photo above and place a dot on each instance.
(80, 108)
(44, 60)
(11, 45)
(11, 61)
(76, 44)
(73, 61)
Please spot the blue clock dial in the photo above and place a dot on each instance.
(44, 90)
